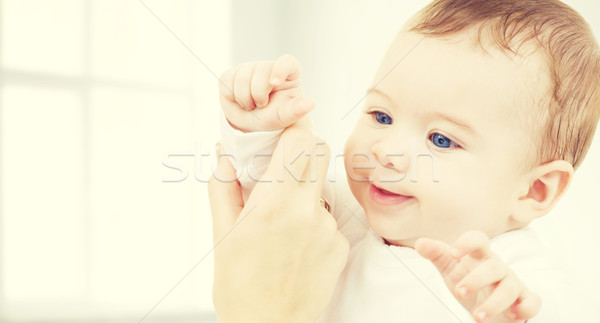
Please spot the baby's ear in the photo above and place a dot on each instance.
(547, 183)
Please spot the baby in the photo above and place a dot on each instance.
(500, 99)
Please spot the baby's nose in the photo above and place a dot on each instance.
(389, 158)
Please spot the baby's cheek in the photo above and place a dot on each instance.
(453, 195)
(357, 166)
(426, 170)
(357, 156)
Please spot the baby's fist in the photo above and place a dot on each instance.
(262, 96)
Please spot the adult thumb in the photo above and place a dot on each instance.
(295, 110)
(225, 196)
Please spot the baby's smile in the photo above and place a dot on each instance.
(385, 197)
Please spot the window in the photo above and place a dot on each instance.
(95, 94)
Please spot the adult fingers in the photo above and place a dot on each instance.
(289, 170)
(316, 172)
(294, 110)
(314, 151)
(290, 158)
(473, 243)
(332, 242)
(225, 196)
(285, 68)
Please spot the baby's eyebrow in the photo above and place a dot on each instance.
(461, 123)
(434, 115)
(378, 91)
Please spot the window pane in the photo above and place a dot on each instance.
(130, 44)
(43, 36)
(147, 233)
(42, 203)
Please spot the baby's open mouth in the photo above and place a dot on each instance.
(385, 197)
(386, 191)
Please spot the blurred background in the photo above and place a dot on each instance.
(108, 119)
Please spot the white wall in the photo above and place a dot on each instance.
(93, 95)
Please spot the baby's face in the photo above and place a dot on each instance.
(442, 143)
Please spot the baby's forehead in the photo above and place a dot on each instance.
(459, 71)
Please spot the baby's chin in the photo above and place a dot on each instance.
(404, 229)
(390, 229)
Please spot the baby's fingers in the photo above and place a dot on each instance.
(241, 86)
(260, 86)
(437, 252)
(226, 84)
(473, 243)
(526, 307)
(485, 274)
(285, 68)
(504, 295)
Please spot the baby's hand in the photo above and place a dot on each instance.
(479, 280)
(266, 95)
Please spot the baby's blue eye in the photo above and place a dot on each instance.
(441, 141)
(382, 118)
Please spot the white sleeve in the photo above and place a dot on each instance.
(249, 152)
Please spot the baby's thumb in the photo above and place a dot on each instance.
(225, 196)
(295, 110)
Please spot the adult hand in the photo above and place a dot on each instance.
(277, 258)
